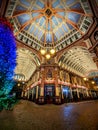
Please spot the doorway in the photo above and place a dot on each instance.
(49, 93)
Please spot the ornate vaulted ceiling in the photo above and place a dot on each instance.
(78, 60)
(51, 23)
(27, 62)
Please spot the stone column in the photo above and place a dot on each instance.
(36, 92)
(62, 93)
(77, 93)
(57, 87)
(71, 93)
(41, 97)
(32, 94)
(25, 94)
(56, 82)
(28, 94)
(22, 94)
(42, 82)
(87, 93)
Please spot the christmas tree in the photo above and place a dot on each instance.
(7, 60)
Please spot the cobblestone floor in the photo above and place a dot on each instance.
(29, 116)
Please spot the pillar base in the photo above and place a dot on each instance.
(41, 100)
(57, 100)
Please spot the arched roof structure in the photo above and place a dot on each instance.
(51, 24)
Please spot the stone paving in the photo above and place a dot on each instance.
(71, 116)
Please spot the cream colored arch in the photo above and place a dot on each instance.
(78, 59)
(27, 62)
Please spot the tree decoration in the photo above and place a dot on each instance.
(7, 58)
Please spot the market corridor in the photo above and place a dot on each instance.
(72, 116)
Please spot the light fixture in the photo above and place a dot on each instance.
(93, 82)
(47, 52)
(18, 84)
(85, 79)
(43, 51)
(48, 56)
(52, 51)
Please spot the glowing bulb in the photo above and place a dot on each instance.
(43, 51)
(93, 82)
(52, 51)
(48, 56)
(85, 79)
(18, 84)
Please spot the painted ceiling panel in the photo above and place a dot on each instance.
(74, 17)
(55, 4)
(25, 2)
(64, 27)
(55, 38)
(42, 20)
(61, 31)
(40, 34)
(27, 27)
(61, 13)
(55, 21)
(57, 35)
(42, 38)
(35, 32)
(68, 2)
(76, 6)
(32, 29)
(37, 20)
(40, 4)
(49, 28)
(19, 7)
(35, 8)
(60, 20)
(69, 26)
(60, 6)
(23, 18)
(35, 14)
(50, 38)
(41, 23)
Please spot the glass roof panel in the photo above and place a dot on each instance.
(42, 20)
(61, 13)
(57, 35)
(19, 7)
(55, 4)
(27, 27)
(64, 27)
(31, 29)
(55, 38)
(23, 18)
(48, 38)
(60, 20)
(69, 26)
(55, 21)
(25, 2)
(60, 6)
(60, 17)
(77, 5)
(35, 14)
(74, 17)
(68, 2)
(35, 8)
(35, 32)
(40, 34)
(40, 4)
